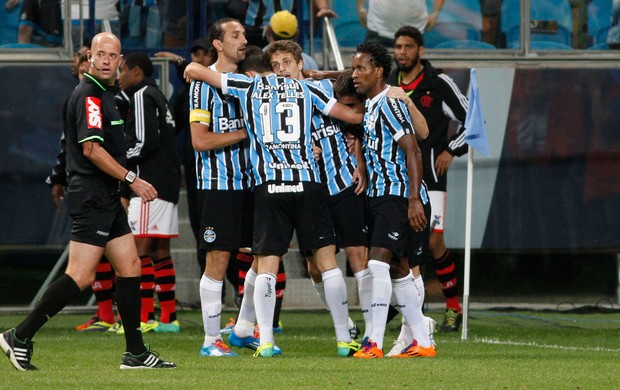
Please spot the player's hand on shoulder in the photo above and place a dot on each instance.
(398, 93)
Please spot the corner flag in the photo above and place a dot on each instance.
(475, 128)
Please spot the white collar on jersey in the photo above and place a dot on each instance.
(381, 94)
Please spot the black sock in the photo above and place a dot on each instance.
(128, 303)
(53, 300)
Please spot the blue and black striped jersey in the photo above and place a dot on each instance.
(337, 165)
(386, 120)
(225, 168)
(278, 113)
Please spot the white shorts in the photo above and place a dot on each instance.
(438, 210)
(155, 219)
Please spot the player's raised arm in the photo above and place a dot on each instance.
(195, 71)
(346, 114)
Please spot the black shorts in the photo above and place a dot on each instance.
(225, 219)
(45, 18)
(96, 209)
(388, 223)
(281, 207)
(348, 213)
(417, 247)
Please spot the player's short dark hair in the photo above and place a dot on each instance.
(217, 32)
(411, 32)
(379, 56)
(141, 60)
(343, 86)
(255, 60)
(286, 46)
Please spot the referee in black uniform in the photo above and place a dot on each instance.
(95, 165)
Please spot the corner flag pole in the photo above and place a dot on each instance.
(476, 138)
(468, 205)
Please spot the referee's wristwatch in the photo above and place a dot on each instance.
(130, 177)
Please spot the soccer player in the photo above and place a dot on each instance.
(440, 101)
(396, 199)
(222, 168)
(342, 176)
(95, 169)
(151, 142)
(287, 194)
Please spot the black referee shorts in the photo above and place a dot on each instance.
(96, 209)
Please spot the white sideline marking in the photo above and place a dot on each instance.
(485, 340)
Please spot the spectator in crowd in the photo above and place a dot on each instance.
(40, 22)
(384, 17)
(259, 14)
(613, 37)
(283, 25)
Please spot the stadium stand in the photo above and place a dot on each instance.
(349, 31)
(9, 23)
(464, 44)
(599, 20)
(550, 21)
(458, 20)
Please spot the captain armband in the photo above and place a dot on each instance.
(198, 115)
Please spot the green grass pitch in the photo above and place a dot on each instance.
(504, 350)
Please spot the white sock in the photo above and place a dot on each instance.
(320, 290)
(408, 298)
(211, 304)
(405, 330)
(364, 291)
(381, 293)
(336, 300)
(265, 303)
(244, 326)
(419, 283)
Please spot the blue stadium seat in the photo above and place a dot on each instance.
(451, 31)
(599, 46)
(459, 20)
(599, 20)
(550, 21)
(465, 44)
(9, 24)
(347, 26)
(20, 46)
(549, 45)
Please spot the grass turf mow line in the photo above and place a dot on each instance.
(485, 340)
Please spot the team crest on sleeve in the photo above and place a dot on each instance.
(93, 112)
(209, 235)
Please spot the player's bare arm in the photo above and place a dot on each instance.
(416, 216)
(344, 113)
(107, 164)
(204, 139)
(360, 175)
(195, 71)
(419, 122)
